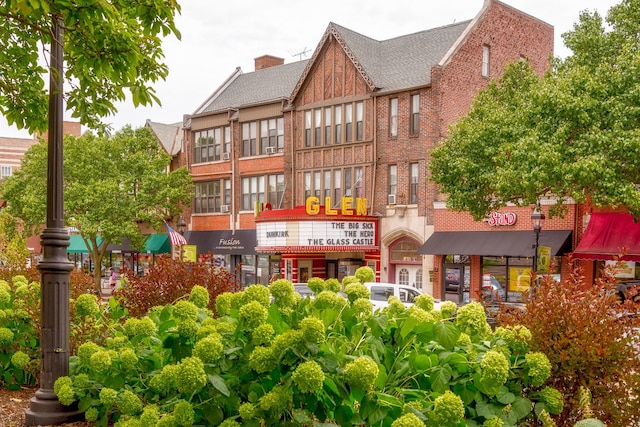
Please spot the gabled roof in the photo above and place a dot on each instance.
(170, 136)
(395, 64)
(255, 88)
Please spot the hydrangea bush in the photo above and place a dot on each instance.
(280, 359)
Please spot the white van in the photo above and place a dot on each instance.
(380, 293)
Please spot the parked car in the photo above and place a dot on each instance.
(629, 289)
(380, 293)
(303, 290)
(492, 289)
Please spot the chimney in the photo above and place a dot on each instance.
(266, 61)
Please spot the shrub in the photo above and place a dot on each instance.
(588, 336)
(297, 362)
(169, 280)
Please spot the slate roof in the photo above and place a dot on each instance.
(391, 65)
(170, 136)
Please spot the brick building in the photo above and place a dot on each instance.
(317, 167)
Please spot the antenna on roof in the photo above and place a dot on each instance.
(304, 52)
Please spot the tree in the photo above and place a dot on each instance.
(112, 49)
(111, 186)
(572, 133)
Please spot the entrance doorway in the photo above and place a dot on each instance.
(456, 283)
(410, 275)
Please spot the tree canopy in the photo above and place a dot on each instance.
(572, 133)
(112, 49)
(112, 185)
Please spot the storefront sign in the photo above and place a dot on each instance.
(316, 233)
(348, 206)
(501, 218)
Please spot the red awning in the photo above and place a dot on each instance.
(609, 235)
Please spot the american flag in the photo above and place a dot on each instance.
(176, 238)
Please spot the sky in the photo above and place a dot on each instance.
(218, 37)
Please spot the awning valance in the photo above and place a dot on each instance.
(221, 242)
(608, 235)
(158, 244)
(495, 243)
(76, 244)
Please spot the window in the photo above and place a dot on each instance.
(271, 134)
(307, 185)
(253, 191)
(208, 144)
(337, 185)
(249, 134)
(348, 121)
(419, 278)
(5, 171)
(359, 121)
(393, 117)
(403, 279)
(227, 139)
(334, 183)
(486, 53)
(307, 128)
(210, 195)
(327, 125)
(338, 128)
(317, 125)
(393, 179)
(413, 183)
(415, 115)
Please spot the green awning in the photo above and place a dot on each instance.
(76, 244)
(158, 244)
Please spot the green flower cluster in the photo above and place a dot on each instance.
(328, 299)
(128, 359)
(62, 387)
(363, 308)
(287, 342)
(187, 328)
(229, 422)
(165, 382)
(355, 290)
(209, 349)
(224, 303)
(493, 422)
(184, 413)
(253, 314)
(448, 410)
(263, 334)
(316, 285)
(259, 293)
(284, 296)
(6, 336)
(347, 280)
(5, 297)
(101, 361)
(91, 414)
(87, 305)
(275, 401)
(129, 403)
(448, 309)
(139, 327)
(20, 359)
(199, 296)
(21, 291)
(86, 350)
(538, 368)
(191, 376)
(313, 330)
(395, 305)
(224, 327)
(332, 285)
(247, 411)
(150, 416)
(361, 373)
(408, 420)
(185, 310)
(472, 320)
(494, 368)
(365, 274)
(422, 316)
(517, 337)
(262, 359)
(424, 301)
(553, 399)
(108, 396)
(308, 377)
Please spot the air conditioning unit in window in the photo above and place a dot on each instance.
(391, 199)
(224, 208)
(271, 150)
(226, 156)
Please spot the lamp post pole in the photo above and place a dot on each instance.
(55, 267)
(536, 218)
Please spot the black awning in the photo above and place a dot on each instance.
(221, 242)
(495, 243)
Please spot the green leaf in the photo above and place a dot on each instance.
(440, 376)
(219, 384)
(446, 334)
(421, 362)
(521, 407)
(505, 396)
(408, 326)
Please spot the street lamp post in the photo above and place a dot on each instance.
(536, 218)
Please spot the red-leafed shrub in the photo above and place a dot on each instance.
(169, 280)
(591, 340)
